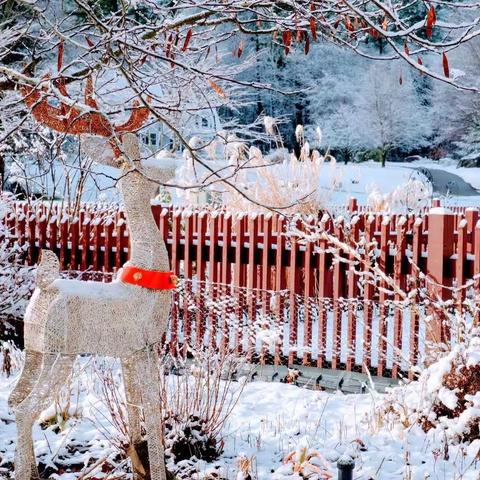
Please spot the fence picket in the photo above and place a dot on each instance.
(201, 275)
(460, 261)
(476, 274)
(63, 240)
(280, 284)
(471, 215)
(368, 292)
(252, 277)
(352, 293)
(414, 286)
(239, 279)
(293, 281)
(188, 266)
(338, 282)
(226, 276)
(309, 290)
(398, 277)
(213, 274)
(382, 320)
(322, 293)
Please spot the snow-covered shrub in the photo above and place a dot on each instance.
(410, 197)
(445, 398)
(16, 279)
(189, 438)
(198, 395)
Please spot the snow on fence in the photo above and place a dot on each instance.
(251, 288)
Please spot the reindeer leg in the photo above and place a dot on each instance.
(134, 403)
(54, 372)
(30, 372)
(146, 368)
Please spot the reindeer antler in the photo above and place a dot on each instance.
(70, 119)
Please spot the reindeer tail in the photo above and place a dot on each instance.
(48, 269)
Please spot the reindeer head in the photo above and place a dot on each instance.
(106, 143)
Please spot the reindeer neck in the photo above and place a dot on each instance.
(147, 248)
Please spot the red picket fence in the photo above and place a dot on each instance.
(244, 278)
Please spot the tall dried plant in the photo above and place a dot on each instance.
(283, 180)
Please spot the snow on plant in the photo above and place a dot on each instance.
(381, 116)
(306, 462)
(197, 41)
(16, 279)
(410, 197)
(66, 406)
(198, 397)
(445, 400)
(11, 358)
(245, 468)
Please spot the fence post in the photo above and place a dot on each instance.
(352, 205)
(345, 465)
(440, 248)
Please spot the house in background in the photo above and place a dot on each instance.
(203, 124)
(201, 127)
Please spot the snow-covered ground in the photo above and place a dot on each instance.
(269, 421)
(359, 179)
(352, 180)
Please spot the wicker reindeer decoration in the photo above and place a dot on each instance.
(124, 319)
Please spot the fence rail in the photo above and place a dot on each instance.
(321, 313)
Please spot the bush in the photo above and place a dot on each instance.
(445, 398)
(197, 397)
(188, 438)
(374, 154)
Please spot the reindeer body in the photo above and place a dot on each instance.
(84, 317)
(66, 318)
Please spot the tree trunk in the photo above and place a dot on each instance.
(2, 172)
